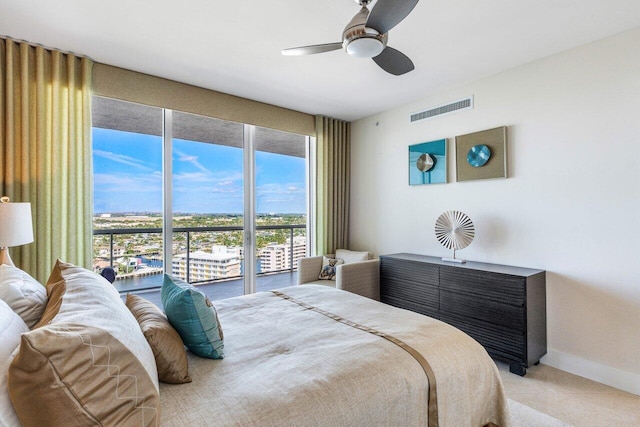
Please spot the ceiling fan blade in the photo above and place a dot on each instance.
(394, 62)
(386, 14)
(310, 50)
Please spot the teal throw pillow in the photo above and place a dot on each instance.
(194, 317)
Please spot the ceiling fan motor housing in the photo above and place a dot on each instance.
(360, 41)
(366, 36)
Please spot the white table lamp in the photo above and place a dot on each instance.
(16, 227)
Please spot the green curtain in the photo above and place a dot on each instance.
(333, 154)
(45, 151)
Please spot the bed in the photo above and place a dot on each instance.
(313, 355)
(306, 355)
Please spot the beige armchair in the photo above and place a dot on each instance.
(359, 274)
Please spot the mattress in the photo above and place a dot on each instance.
(313, 355)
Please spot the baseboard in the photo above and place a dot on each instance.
(594, 371)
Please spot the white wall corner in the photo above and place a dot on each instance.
(613, 377)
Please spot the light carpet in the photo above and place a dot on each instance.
(524, 416)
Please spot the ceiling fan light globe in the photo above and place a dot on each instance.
(365, 47)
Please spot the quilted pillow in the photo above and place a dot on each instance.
(166, 344)
(86, 361)
(11, 327)
(23, 293)
(193, 316)
(328, 271)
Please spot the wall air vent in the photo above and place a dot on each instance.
(462, 104)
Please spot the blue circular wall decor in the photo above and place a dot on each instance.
(479, 155)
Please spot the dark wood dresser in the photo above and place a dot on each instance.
(502, 307)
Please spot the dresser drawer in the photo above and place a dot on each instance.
(411, 271)
(487, 285)
(411, 292)
(409, 281)
(426, 309)
(506, 343)
(474, 307)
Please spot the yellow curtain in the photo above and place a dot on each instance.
(333, 153)
(45, 151)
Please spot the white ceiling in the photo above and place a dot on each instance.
(234, 47)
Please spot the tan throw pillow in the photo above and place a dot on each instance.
(328, 271)
(23, 293)
(165, 342)
(80, 296)
(86, 338)
(79, 375)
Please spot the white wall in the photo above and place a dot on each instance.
(570, 205)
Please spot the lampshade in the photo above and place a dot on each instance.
(15, 224)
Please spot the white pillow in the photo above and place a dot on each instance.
(11, 328)
(351, 256)
(22, 293)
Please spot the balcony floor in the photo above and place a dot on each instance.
(230, 288)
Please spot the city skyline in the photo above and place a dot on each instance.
(207, 178)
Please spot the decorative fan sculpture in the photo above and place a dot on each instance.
(454, 230)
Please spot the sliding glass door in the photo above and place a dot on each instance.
(208, 200)
(281, 204)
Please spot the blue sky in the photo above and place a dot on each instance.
(207, 178)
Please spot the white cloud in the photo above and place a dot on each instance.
(118, 183)
(279, 189)
(191, 177)
(183, 157)
(121, 158)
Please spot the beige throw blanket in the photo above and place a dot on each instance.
(287, 365)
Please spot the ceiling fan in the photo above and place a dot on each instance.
(367, 34)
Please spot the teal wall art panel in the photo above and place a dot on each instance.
(428, 163)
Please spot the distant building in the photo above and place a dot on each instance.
(277, 257)
(220, 263)
(118, 252)
(106, 253)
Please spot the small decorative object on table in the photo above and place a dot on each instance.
(454, 230)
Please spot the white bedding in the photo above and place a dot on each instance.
(288, 365)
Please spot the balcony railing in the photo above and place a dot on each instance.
(112, 232)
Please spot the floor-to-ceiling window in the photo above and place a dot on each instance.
(208, 201)
(127, 179)
(237, 198)
(281, 199)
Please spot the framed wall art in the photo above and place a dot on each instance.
(428, 163)
(482, 155)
